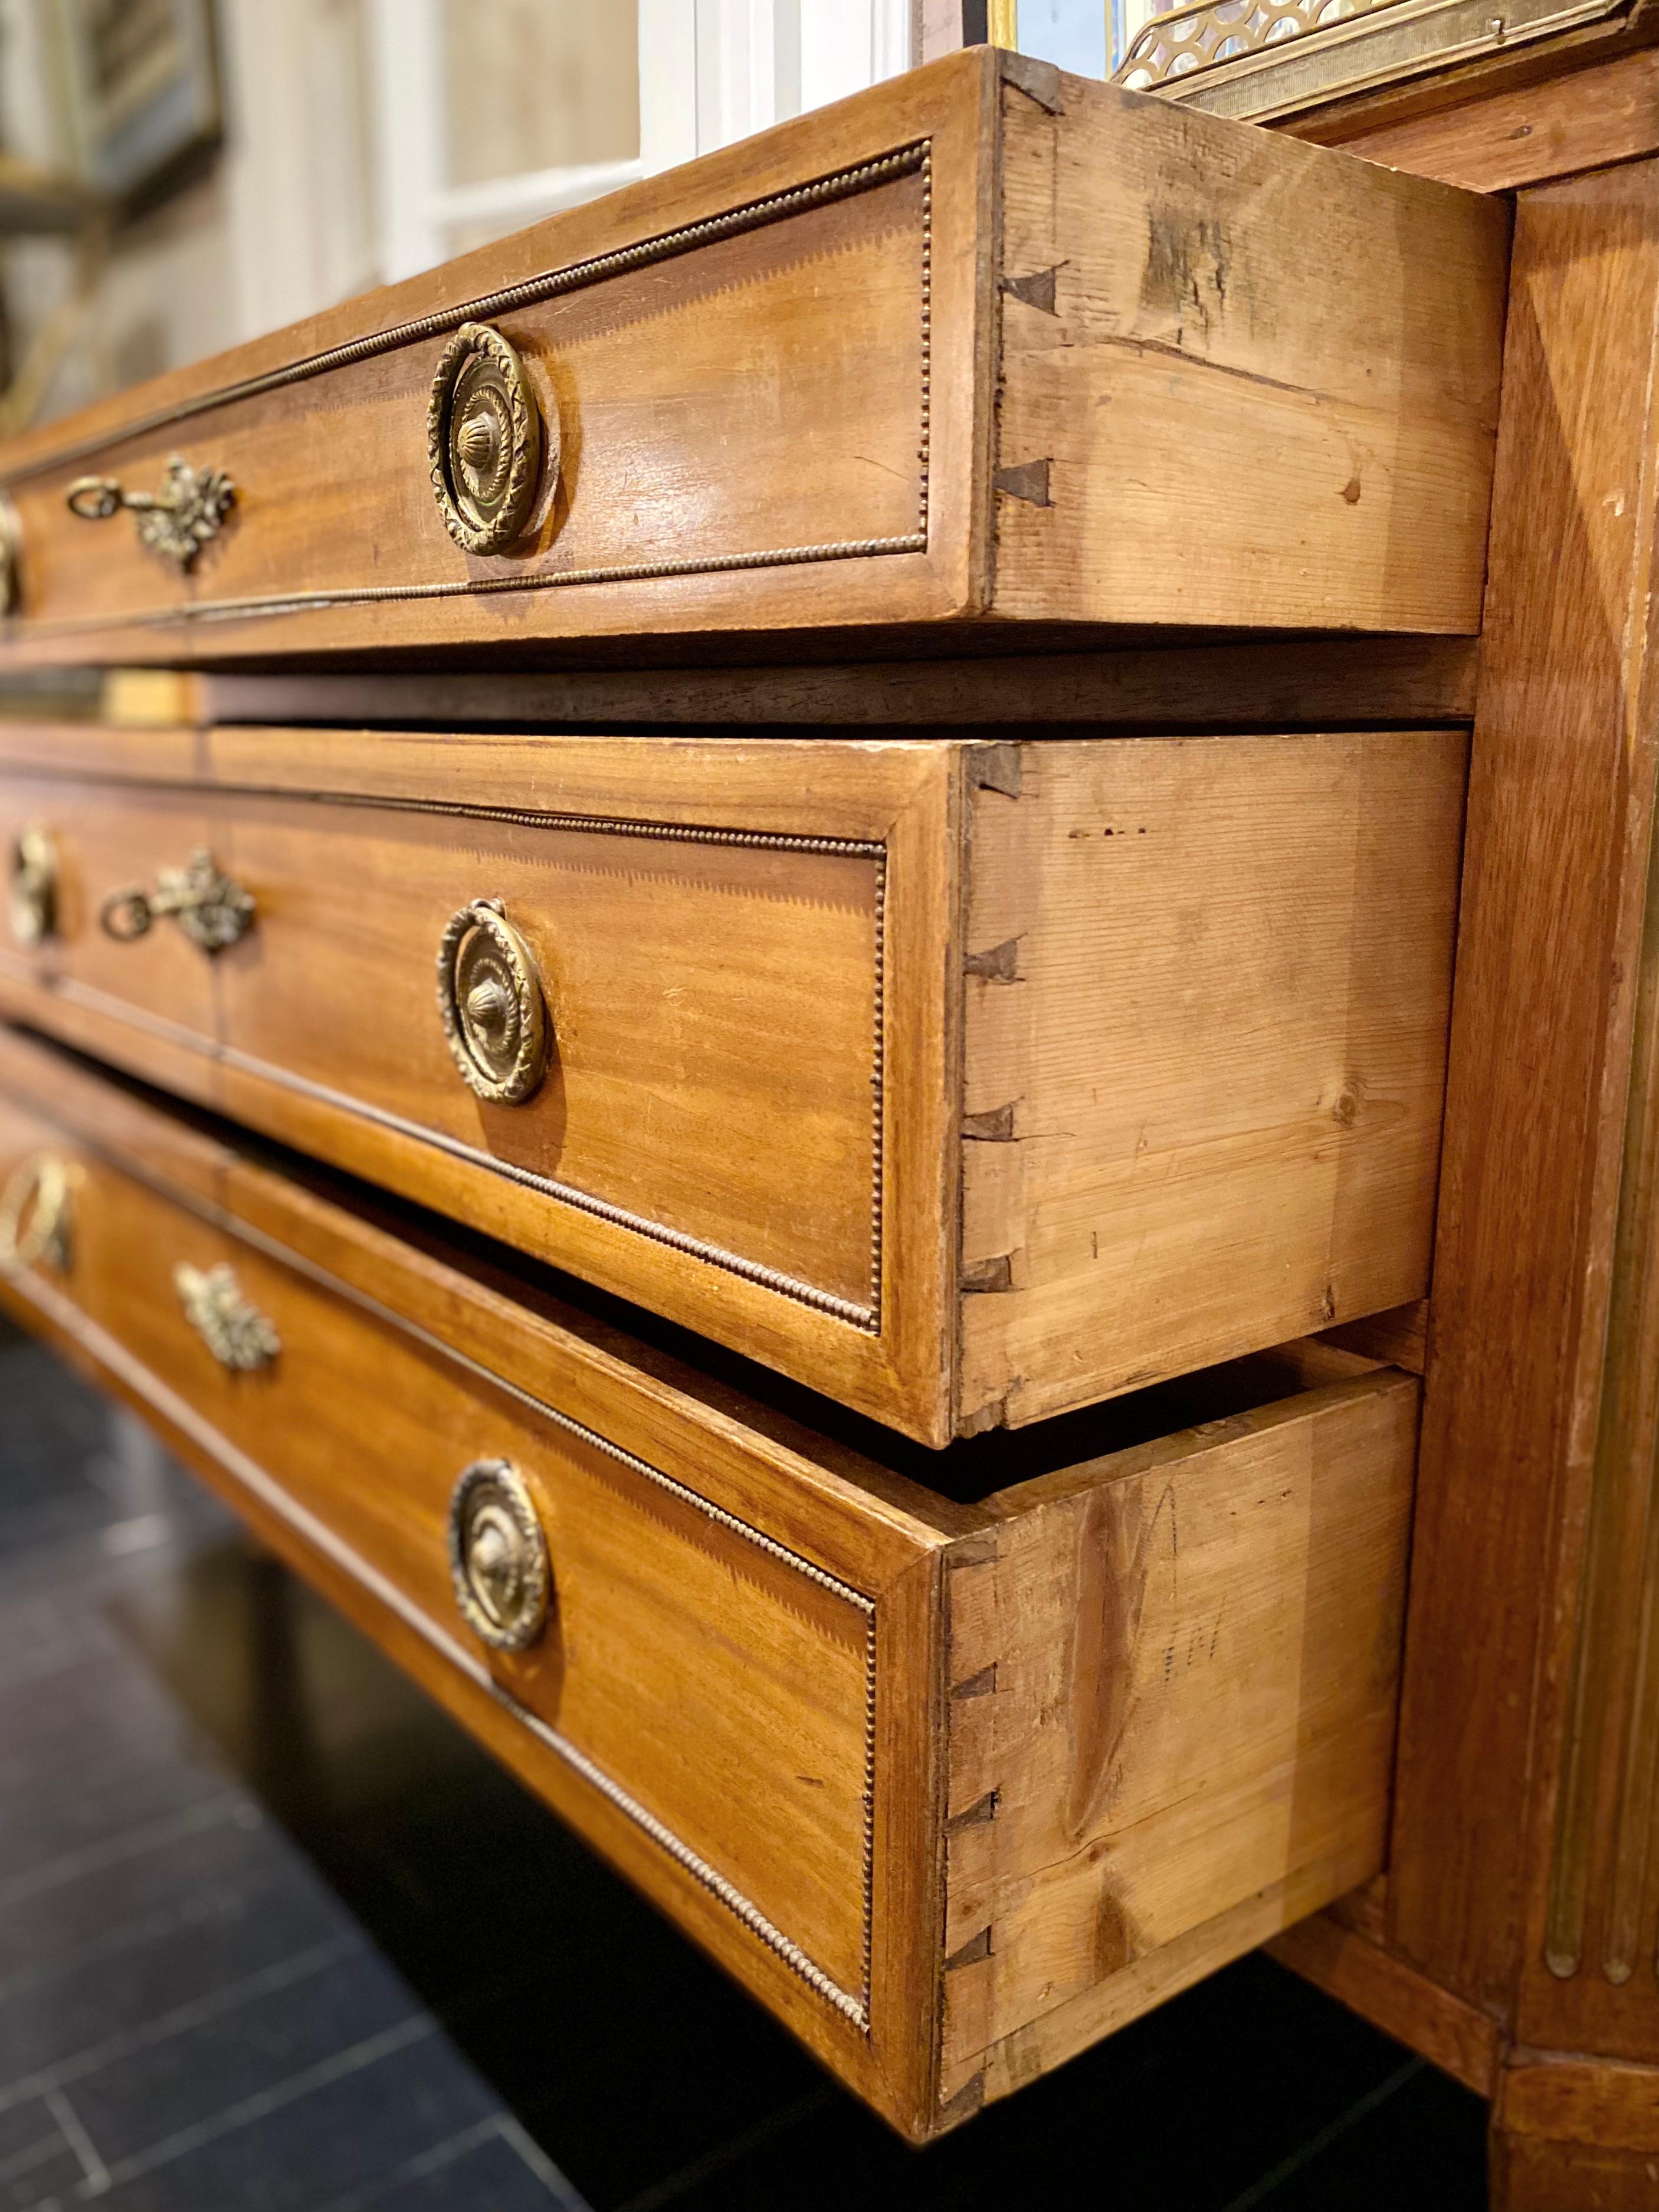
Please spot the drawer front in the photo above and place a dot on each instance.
(737, 1017)
(704, 1675)
(954, 1788)
(853, 374)
(750, 399)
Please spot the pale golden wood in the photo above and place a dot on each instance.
(1186, 1707)
(1088, 1782)
(1208, 1059)
(1198, 971)
(1207, 459)
(796, 421)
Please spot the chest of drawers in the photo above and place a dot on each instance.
(963, 1586)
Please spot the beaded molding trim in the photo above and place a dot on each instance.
(754, 215)
(866, 1316)
(109, 1354)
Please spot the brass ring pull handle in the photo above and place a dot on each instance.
(211, 908)
(490, 1002)
(498, 1556)
(32, 894)
(483, 440)
(35, 1214)
(237, 1334)
(177, 521)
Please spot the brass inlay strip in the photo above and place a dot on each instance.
(754, 215)
(233, 610)
(1259, 59)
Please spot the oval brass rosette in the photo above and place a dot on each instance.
(484, 436)
(489, 999)
(498, 1556)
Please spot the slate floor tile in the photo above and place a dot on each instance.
(163, 2088)
(36, 2159)
(489, 2168)
(108, 1885)
(304, 2140)
(74, 1810)
(177, 1955)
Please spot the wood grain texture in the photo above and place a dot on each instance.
(1534, 2173)
(749, 1122)
(1208, 997)
(1172, 1693)
(1216, 1737)
(775, 375)
(1577, 2100)
(1195, 969)
(1399, 1338)
(1575, 2134)
(1208, 437)
(1590, 1975)
(738, 1694)
(1560, 816)
(1466, 81)
(1504, 140)
(1389, 682)
(1361, 1974)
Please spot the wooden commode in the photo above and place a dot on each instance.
(759, 1056)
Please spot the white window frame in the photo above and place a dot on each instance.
(420, 209)
(710, 71)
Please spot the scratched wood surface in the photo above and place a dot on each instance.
(776, 378)
(1215, 1736)
(1208, 992)
(1172, 1680)
(1160, 387)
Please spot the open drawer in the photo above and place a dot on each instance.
(986, 345)
(956, 1761)
(966, 1083)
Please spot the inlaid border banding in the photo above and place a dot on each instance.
(753, 214)
(110, 1353)
(866, 1317)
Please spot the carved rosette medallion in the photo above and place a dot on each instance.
(498, 1556)
(490, 1001)
(484, 436)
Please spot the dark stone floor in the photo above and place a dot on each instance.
(274, 1938)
